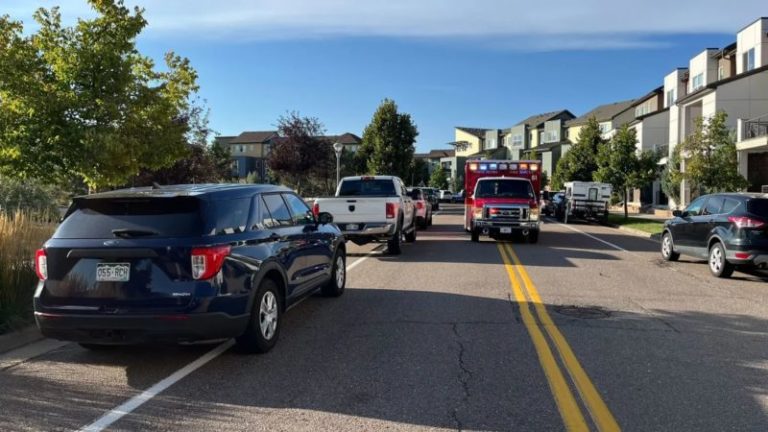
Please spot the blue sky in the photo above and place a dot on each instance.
(488, 63)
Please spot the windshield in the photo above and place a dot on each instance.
(363, 187)
(504, 188)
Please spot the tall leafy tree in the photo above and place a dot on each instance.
(711, 164)
(83, 102)
(438, 179)
(580, 163)
(388, 142)
(300, 147)
(620, 164)
(672, 176)
(419, 172)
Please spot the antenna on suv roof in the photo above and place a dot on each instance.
(155, 185)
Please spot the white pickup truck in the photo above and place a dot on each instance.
(372, 209)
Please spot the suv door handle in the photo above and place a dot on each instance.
(274, 237)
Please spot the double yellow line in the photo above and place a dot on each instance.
(566, 402)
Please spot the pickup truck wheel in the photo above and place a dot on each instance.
(533, 236)
(475, 235)
(264, 325)
(393, 244)
(429, 221)
(410, 236)
(335, 286)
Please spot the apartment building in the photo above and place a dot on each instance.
(543, 132)
(733, 80)
(468, 141)
(650, 121)
(610, 117)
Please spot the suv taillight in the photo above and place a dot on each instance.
(316, 209)
(207, 261)
(419, 205)
(745, 222)
(390, 209)
(41, 264)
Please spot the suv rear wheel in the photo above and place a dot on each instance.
(668, 248)
(264, 326)
(718, 265)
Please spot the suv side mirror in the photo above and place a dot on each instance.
(324, 218)
(677, 213)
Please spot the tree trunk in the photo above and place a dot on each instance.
(626, 205)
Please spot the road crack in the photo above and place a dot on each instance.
(464, 376)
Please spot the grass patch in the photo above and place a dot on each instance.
(640, 224)
(21, 234)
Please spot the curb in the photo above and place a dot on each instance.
(15, 339)
(635, 232)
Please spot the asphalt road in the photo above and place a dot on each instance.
(587, 329)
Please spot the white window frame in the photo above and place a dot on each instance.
(749, 59)
(671, 97)
(697, 82)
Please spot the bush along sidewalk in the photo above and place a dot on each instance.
(21, 234)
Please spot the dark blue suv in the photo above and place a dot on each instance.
(184, 263)
(727, 229)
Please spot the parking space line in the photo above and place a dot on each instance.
(135, 402)
(564, 399)
(598, 410)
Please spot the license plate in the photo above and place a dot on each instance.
(353, 227)
(119, 272)
(506, 230)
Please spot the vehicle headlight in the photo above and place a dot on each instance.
(534, 214)
(478, 213)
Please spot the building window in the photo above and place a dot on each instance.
(671, 98)
(605, 128)
(720, 73)
(749, 60)
(697, 82)
(517, 140)
(550, 136)
(242, 148)
(642, 110)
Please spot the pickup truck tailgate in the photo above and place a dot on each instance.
(354, 210)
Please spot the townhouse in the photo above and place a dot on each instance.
(544, 134)
(250, 150)
(734, 80)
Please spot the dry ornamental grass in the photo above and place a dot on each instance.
(21, 234)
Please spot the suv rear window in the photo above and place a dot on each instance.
(378, 188)
(758, 206)
(504, 188)
(160, 217)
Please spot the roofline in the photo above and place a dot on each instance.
(750, 24)
(716, 84)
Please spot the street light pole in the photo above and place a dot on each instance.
(338, 148)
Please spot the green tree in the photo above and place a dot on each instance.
(419, 172)
(672, 177)
(711, 164)
(82, 101)
(438, 179)
(620, 164)
(580, 163)
(388, 142)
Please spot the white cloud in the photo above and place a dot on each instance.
(538, 25)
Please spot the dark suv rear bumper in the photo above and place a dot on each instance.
(748, 257)
(133, 329)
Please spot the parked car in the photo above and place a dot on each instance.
(423, 207)
(458, 198)
(446, 196)
(433, 197)
(372, 209)
(552, 202)
(184, 263)
(728, 230)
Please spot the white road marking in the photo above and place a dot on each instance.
(116, 414)
(135, 402)
(617, 247)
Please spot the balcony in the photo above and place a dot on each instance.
(755, 128)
